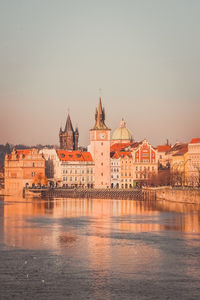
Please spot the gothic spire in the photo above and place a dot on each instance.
(100, 117)
(68, 126)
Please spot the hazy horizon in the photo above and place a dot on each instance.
(55, 55)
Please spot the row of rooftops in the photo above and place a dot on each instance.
(117, 150)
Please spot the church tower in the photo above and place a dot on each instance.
(68, 137)
(100, 149)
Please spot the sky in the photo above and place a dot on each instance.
(55, 55)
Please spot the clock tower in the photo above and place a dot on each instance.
(100, 149)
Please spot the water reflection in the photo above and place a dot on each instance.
(36, 223)
(107, 246)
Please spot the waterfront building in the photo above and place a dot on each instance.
(177, 147)
(100, 149)
(115, 170)
(145, 162)
(51, 164)
(178, 166)
(162, 156)
(138, 163)
(122, 134)
(24, 168)
(194, 162)
(126, 169)
(69, 137)
(76, 169)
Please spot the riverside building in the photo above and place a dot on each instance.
(76, 169)
(24, 168)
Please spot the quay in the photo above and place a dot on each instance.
(173, 194)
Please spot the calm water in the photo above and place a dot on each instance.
(98, 249)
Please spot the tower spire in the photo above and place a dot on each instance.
(100, 117)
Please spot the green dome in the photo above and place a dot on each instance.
(122, 133)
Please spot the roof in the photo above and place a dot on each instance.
(181, 150)
(118, 154)
(178, 147)
(20, 152)
(65, 155)
(195, 141)
(163, 148)
(119, 146)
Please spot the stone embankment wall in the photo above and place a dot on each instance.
(184, 195)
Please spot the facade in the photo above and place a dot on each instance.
(138, 163)
(24, 168)
(126, 170)
(69, 137)
(178, 167)
(193, 171)
(51, 163)
(115, 170)
(122, 134)
(76, 169)
(162, 156)
(100, 149)
(145, 162)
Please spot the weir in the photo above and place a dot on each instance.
(136, 194)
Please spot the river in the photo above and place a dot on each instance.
(98, 249)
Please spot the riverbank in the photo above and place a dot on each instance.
(181, 195)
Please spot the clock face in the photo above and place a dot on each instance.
(102, 136)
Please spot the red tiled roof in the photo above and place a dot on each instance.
(65, 155)
(119, 146)
(18, 152)
(118, 154)
(163, 148)
(195, 141)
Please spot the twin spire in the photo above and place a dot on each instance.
(100, 117)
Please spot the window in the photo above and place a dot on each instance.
(33, 174)
(33, 164)
(101, 174)
(75, 178)
(101, 143)
(102, 164)
(102, 153)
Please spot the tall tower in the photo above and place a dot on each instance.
(69, 137)
(100, 149)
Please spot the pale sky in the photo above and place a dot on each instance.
(56, 54)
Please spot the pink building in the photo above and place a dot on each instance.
(100, 149)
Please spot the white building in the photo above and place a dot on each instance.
(52, 163)
(76, 169)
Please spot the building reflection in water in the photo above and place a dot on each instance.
(89, 224)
